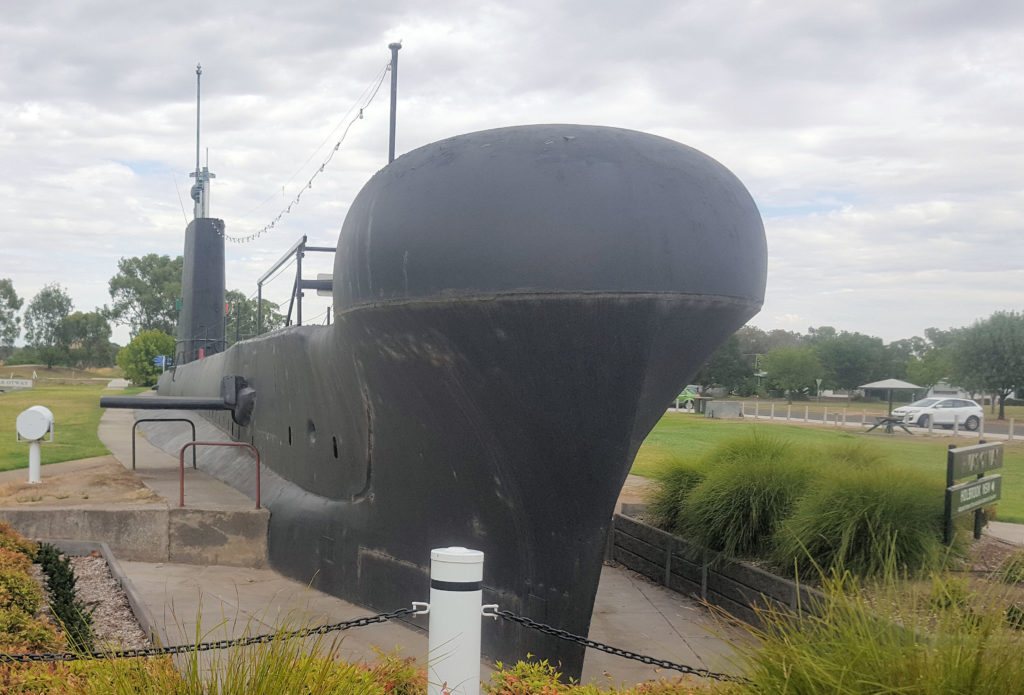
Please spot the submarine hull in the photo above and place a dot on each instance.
(514, 310)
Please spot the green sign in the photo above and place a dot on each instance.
(966, 497)
(975, 460)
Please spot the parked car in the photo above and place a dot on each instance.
(942, 412)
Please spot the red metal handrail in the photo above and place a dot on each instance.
(181, 464)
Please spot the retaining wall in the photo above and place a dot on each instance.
(693, 570)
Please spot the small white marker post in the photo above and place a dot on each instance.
(33, 424)
(456, 597)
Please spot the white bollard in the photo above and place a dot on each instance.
(34, 462)
(807, 411)
(1011, 430)
(456, 597)
(772, 416)
(789, 412)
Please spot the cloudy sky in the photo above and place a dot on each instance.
(881, 140)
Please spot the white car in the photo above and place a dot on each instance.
(942, 412)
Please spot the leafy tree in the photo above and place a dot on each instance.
(849, 359)
(754, 341)
(136, 358)
(44, 319)
(241, 320)
(87, 337)
(145, 291)
(792, 369)
(726, 367)
(989, 355)
(10, 322)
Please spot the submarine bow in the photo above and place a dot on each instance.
(514, 310)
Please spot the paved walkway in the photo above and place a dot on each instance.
(217, 602)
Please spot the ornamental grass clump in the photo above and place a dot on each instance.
(677, 479)
(751, 485)
(885, 638)
(1011, 569)
(859, 519)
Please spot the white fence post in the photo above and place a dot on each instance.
(453, 641)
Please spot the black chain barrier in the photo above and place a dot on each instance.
(206, 646)
(569, 637)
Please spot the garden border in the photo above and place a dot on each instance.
(76, 548)
(690, 569)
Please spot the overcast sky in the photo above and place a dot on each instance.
(881, 140)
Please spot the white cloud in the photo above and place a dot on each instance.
(881, 140)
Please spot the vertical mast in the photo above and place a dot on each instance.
(394, 94)
(201, 188)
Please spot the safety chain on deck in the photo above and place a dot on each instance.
(207, 646)
(569, 637)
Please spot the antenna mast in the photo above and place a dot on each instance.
(201, 188)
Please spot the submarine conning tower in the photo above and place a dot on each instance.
(201, 320)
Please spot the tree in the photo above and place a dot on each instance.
(136, 358)
(726, 367)
(10, 322)
(44, 319)
(241, 320)
(87, 337)
(145, 292)
(849, 359)
(989, 355)
(792, 369)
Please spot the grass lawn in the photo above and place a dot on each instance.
(683, 435)
(76, 413)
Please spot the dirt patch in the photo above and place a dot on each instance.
(104, 482)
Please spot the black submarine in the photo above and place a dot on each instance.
(513, 310)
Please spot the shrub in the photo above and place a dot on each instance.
(12, 540)
(750, 487)
(14, 560)
(21, 632)
(19, 590)
(136, 358)
(73, 615)
(861, 520)
(676, 481)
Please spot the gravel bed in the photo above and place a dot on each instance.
(113, 622)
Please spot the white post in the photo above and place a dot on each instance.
(1011, 430)
(844, 416)
(789, 412)
(456, 595)
(773, 410)
(863, 417)
(34, 462)
(824, 418)
(807, 411)
(981, 430)
(956, 425)
(757, 409)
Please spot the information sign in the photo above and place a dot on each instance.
(966, 497)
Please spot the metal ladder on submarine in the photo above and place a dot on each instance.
(513, 311)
